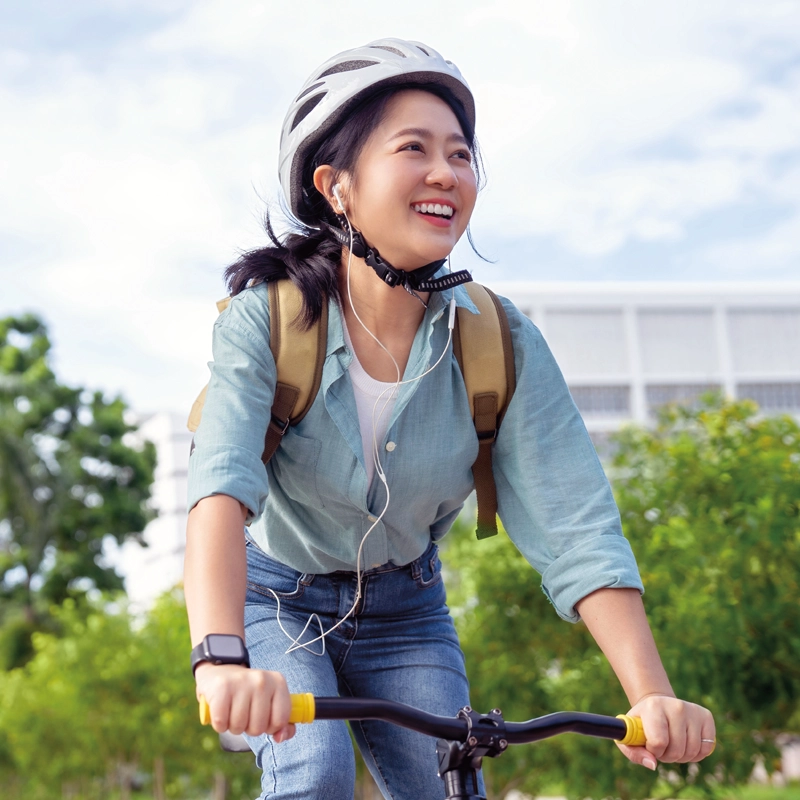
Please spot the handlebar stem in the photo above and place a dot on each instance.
(460, 762)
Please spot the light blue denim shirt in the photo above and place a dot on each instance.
(311, 505)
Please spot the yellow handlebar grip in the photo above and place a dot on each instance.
(205, 711)
(303, 708)
(635, 735)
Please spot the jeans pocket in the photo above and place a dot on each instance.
(268, 577)
(427, 569)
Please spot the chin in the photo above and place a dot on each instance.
(428, 255)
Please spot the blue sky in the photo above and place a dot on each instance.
(623, 141)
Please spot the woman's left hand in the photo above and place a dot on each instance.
(674, 730)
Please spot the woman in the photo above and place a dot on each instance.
(378, 151)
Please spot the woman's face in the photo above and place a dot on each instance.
(414, 188)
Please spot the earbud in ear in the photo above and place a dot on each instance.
(337, 193)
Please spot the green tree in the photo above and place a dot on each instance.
(710, 501)
(68, 478)
(109, 699)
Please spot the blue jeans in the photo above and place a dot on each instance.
(399, 645)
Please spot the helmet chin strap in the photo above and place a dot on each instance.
(418, 280)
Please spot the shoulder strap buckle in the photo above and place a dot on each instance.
(280, 426)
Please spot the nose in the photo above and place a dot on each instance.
(442, 174)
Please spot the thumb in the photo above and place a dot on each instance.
(639, 755)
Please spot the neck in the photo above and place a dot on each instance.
(384, 309)
(391, 314)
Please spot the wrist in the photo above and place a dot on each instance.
(657, 693)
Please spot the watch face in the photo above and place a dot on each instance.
(223, 646)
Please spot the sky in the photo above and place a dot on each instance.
(623, 140)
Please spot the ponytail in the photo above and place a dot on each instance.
(308, 257)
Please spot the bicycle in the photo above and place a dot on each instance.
(463, 741)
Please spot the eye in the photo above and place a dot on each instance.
(465, 154)
(413, 146)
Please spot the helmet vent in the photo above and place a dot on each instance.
(309, 90)
(424, 51)
(390, 49)
(346, 66)
(306, 109)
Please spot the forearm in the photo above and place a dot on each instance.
(616, 620)
(215, 568)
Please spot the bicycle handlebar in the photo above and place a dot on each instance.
(307, 708)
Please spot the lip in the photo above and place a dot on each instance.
(437, 222)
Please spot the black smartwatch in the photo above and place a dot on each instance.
(220, 648)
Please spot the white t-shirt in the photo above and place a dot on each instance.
(368, 393)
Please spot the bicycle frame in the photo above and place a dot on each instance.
(463, 741)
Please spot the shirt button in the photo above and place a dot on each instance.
(372, 519)
(390, 446)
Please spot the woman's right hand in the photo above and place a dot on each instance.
(243, 700)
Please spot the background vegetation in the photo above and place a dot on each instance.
(95, 703)
(69, 478)
(710, 501)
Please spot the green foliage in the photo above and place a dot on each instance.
(100, 703)
(710, 501)
(68, 478)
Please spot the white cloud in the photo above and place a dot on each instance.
(130, 183)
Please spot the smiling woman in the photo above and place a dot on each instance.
(336, 584)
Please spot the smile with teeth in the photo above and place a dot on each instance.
(434, 208)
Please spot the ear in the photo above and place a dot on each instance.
(324, 181)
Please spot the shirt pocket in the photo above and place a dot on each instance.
(294, 467)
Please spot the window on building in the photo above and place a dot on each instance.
(587, 341)
(606, 401)
(684, 393)
(765, 340)
(678, 342)
(771, 396)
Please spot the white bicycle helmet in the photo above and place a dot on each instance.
(340, 83)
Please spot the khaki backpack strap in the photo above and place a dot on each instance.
(485, 353)
(196, 414)
(299, 355)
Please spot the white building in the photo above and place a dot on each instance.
(152, 570)
(624, 348)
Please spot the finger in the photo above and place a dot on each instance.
(700, 734)
(656, 730)
(281, 705)
(693, 743)
(240, 710)
(676, 748)
(284, 734)
(259, 711)
(708, 736)
(639, 755)
(219, 705)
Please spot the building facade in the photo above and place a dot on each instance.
(627, 348)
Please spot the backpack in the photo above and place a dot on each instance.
(482, 346)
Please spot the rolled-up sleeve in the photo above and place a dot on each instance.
(230, 439)
(553, 496)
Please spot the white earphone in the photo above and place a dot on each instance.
(337, 194)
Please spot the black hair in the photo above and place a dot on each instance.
(309, 254)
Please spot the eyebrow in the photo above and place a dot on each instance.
(424, 133)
